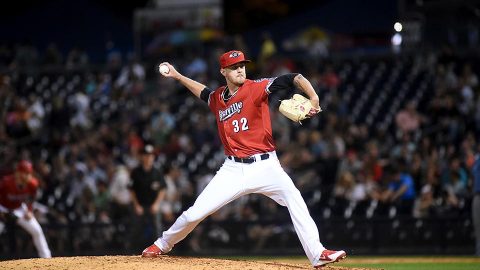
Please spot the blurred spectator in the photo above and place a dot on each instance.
(446, 75)
(204, 133)
(476, 202)
(280, 65)
(113, 57)
(81, 185)
(354, 187)
(404, 148)
(468, 84)
(94, 171)
(101, 202)
(171, 205)
(196, 65)
(104, 86)
(408, 120)
(350, 163)
(267, 50)
(314, 41)
(17, 119)
(365, 188)
(36, 111)
(330, 79)
(417, 169)
(344, 186)
(263, 235)
(401, 189)
(425, 203)
(297, 156)
(430, 202)
(120, 194)
(80, 103)
(147, 189)
(132, 76)
(455, 181)
(372, 164)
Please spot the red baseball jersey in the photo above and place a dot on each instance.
(243, 120)
(12, 196)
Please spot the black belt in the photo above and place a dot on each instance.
(248, 160)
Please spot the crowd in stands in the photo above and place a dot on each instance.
(83, 126)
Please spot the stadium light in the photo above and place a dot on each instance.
(398, 27)
(397, 39)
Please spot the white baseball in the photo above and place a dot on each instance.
(163, 69)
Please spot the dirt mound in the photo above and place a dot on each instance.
(138, 263)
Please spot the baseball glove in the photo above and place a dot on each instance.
(297, 108)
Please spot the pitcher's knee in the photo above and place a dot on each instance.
(36, 232)
(192, 217)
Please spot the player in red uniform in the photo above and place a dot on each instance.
(251, 164)
(17, 194)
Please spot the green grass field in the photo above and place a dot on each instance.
(415, 266)
(390, 263)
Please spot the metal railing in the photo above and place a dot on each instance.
(359, 236)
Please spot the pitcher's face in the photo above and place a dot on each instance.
(22, 177)
(235, 74)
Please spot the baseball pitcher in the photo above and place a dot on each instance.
(17, 194)
(251, 164)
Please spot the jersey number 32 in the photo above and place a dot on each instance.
(243, 125)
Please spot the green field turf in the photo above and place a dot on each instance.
(414, 262)
(415, 266)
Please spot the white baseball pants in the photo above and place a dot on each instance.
(234, 180)
(33, 228)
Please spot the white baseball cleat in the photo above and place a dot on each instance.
(330, 256)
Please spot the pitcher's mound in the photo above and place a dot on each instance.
(162, 263)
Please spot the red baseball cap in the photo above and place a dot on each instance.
(231, 58)
(24, 166)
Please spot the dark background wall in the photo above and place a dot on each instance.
(90, 24)
(84, 23)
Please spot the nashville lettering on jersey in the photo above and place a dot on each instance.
(230, 111)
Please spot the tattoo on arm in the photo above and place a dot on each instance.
(297, 80)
